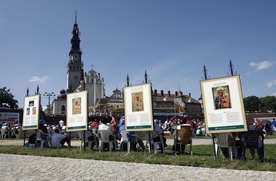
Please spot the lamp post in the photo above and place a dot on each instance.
(49, 95)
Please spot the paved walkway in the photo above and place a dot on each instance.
(28, 168)
(203, 141)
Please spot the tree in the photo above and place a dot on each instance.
(268, 103)
(252, 104)
(7, 99)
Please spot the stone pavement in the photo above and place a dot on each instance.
(32, 168)
(28, 168)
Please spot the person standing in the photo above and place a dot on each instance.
(273, 125)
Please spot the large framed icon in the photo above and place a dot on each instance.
(77, 117)
(138, 107)
(31, 112)
(223, 105)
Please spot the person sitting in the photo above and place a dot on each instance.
(61, 123)
(158, 131)
(94, 127)
(58, 140)
(105, 126)
(31, 140)
(5, 130)
(44, 135)
(193, 125)
(130, 135)
(198, 132)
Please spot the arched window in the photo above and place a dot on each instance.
(62, 108)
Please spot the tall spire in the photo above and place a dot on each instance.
(205, 72)
(75, 64)
(76, 17)
(231, 66)
(146, 77)
(75, 41)
(127, 80)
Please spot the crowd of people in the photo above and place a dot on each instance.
(56, 136)
(197, 125)
(9, 129)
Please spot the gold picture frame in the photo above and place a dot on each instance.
(77, 111)
(138, 107)
(223, 105)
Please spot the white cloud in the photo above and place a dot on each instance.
(247, 74)
(38, 79)
(274, 94)
(262, 65)
(271, 83)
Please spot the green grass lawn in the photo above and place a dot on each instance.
(203, 156)
(273, 136)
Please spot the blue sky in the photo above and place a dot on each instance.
(171, 40)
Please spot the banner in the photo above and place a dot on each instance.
(9, 117)
(179, 105)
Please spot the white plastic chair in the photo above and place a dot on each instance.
(224, 140)
(4, 133)
(152, 135)
(105, 139)
(87, 135)
(124, 139)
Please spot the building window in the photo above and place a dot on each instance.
(62, 108)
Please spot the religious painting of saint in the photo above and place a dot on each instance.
(33, 110)
(221, 97)
(76, 105)
(137, 102)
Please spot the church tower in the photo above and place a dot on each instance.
(75, 64)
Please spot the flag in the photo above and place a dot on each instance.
(179, 105)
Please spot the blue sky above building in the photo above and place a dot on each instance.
(171, 40)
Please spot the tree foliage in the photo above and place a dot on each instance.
(251, 104)
(7, 99)
(263, 104)
(268, 103)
